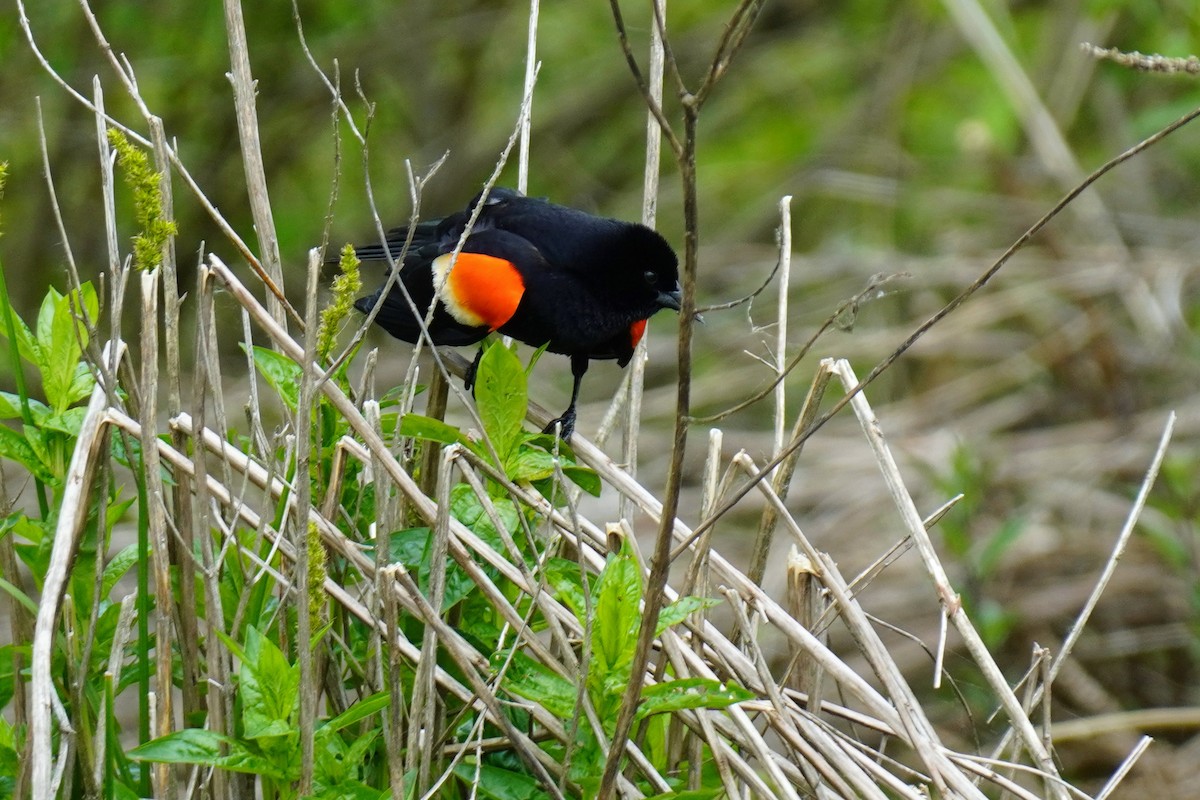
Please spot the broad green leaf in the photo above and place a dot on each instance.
(10, 408)
(281, 374)
(270, 689)
(62, 338)
(359, 711)
(501, 396)
(117, 566)
(332, 767)
(585, 478)
(534, 681)
(203, 747)
(44, 329)
(466, 507)
(27, 345)
(68, 422)
(16, 447)
(412, 548)
(618, 595)
(528, 464)
(39, 440)
(564, 576)
(690, 693)
(421, 427)
(82, 383)
(680, 610)
(495, 783)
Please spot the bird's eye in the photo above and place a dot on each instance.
(651, 276)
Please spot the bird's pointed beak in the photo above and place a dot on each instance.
(670, 299)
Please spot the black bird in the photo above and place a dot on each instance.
(542, 273)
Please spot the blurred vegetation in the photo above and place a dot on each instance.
(878, 117)
(898, 144)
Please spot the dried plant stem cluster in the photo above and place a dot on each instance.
(791, 741)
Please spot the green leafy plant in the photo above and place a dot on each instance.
(610, 611)
(269, 740)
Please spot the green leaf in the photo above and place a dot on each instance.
(690, 693)
(564, 576)
(467, 508)
(10, 408)
(61, 337)
(280, 372)
(690, 794)
(528, 464)
(68, 422)
(27, 344)
(499, 784)
(359, 711)
(203, 747)
(680, 610)
(412, 548)
(618, 595)
(16, 447)
(117, 566)
(421, 427)
(501, 396)
(336, 764)
(270, 689)
(585, 478)
(19, 596)
(82, 383)
(534, 681)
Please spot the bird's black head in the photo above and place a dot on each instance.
(646, 267)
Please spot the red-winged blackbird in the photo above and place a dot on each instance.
(544, 274)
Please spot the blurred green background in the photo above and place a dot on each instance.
(878, 117)
(1041, 399)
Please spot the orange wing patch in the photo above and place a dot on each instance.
(480, 290)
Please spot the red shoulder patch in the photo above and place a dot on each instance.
(636, 331)
(479, 290)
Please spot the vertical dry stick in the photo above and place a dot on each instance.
(164, 783)
(422, 730)
(785, 273)
(71, 519)
(637, 367)
(256, 178)
(782, 478)
(220, 702)
(531, 68)
(309, 690)
(394, 727)
(189, 635)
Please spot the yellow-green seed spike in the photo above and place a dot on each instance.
(346, 287)
(317, 607)
(156, 229)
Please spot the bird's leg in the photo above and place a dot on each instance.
(579, 365)
(469, 376)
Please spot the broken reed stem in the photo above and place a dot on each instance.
(781, 360)
(244, 92)
(155, 492)
(72, 515)
(531, 70)
(951, 604)
(635, 385)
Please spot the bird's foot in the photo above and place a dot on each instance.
(567, 423)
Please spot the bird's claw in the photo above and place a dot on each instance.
(567, 423)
